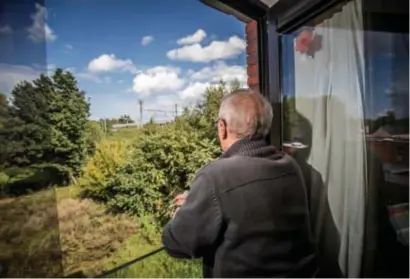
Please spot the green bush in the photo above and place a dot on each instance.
(94, 135)
(142, 177)
(159, 166)
(109, 155)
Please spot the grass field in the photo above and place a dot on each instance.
(53, 234)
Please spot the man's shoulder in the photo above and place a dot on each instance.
(249, 167)
(221, 165)
(227, 174)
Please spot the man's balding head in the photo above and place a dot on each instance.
(244, 114)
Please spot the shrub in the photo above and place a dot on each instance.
(160, 165)
(94, 135)
(108, 157)
(203, 116)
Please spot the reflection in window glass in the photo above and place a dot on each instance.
(346, 117)
(99, 128)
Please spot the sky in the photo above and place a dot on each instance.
(162, 52)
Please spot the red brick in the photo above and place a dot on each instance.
(253, 42)
(251, 34)
(251, 26)
(252, 47)
(253, 73)
(252, 58)
(253, 68)
(252, 81)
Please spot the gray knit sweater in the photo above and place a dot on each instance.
(246, 216)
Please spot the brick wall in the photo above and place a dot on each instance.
(251, 34)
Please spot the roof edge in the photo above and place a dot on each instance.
(244, 10)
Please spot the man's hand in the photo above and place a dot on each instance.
(178, 201)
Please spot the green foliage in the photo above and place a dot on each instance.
(4, 180)
(143, 177)
(25, 179)
(94, 135)
(109, 155)
(203, 116)
(159, 166)
(124, 119)
(161, 266)
(46, 124)
(3, 110)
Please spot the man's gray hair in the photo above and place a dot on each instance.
(246, 113)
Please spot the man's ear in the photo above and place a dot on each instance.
(223, 129)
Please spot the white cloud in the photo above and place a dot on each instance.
(197, 37)
(216, 50)
(163, 87)
(194, 90)
(157, 79)
(39, 31)
(220, 70)
(6, 30)
(108, 62)
(147, 40)
(69, 47)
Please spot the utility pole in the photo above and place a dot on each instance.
(141, 103)
(176, 111)
(104, 125)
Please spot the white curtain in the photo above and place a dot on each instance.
(328, 89)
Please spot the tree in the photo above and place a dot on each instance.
(95, 134)
(3, 109)
(46, 124)
(124, 119)
(25, 135)
(69, 112)
(204, 115)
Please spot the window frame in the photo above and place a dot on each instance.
(279, 19)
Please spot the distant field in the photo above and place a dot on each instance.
(124, 133)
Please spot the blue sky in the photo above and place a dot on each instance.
(163, 52)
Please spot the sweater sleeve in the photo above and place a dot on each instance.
(197, 224)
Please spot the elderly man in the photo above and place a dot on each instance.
(246, 214)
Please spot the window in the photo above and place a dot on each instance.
(345, 120)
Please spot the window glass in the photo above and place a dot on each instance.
(103, 121)
(345, 112)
